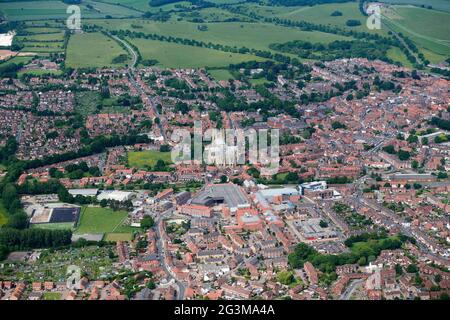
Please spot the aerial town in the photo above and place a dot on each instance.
(358, 210)
(94, 204)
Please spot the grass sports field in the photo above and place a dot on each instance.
(142, 159)
(100, 220)
(118, 237)
(54, 226)
(102, 50)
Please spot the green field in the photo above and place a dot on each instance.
(53, 226)
(52, 296)
(240, 34)
(321, 14)
(143, 159)
(118, 237)
(427, 28)
(172, 55)
(443, 5)
(24, 60)
(397, 55)
(101, 51)
(59, 36)
(100, 220)
(39, 10)
(220, 74)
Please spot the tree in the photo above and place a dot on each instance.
(285, 277)
(147, 222)
(9, 195)
(18, 221)
(362, 261)
(412, 268)
(398, 270)
(323, 224)
(223, 179)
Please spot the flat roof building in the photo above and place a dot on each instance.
(215, 194)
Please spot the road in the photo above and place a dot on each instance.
(129, 48)
(136, 84)
(162, 251)
(350, 289)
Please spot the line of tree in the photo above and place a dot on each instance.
(14, 239)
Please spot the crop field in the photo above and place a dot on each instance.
(142, 159)
(100, 220)
(42, 37)
(101, 51)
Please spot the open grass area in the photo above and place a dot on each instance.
(52, 296)
(220, 74)
(53, 226)
(101, 51)
(100, 220)
(443, 5)
(40, 72)
(427, 28)
(17, 60)
(143, 159)
(43, 37)
(240, 34)
(118, 237)
(397, 55)
(172, 55)
(321, 14)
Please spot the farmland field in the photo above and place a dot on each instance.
(40, 10)
(100, 54)
(99, 220)
(142, 159)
